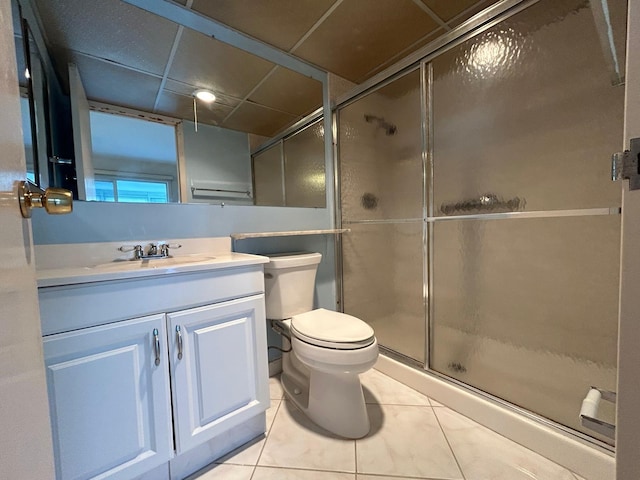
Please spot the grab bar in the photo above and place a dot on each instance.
(589, 410)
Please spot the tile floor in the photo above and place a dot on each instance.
(411, 437)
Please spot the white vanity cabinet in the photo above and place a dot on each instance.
(109, 401)
(216, 367)
(149, 377)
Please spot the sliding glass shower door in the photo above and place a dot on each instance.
(497, 244)
(382, 203)
(526, 228)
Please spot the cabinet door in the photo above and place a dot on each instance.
(218, 368)
(109, 401)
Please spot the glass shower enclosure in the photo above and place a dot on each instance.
(484, 226)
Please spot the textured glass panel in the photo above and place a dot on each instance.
(267, 177)
(525, 114)
(383, 283)
(527, 309)
(380, 145)
(304, 177)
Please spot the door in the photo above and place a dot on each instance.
(628, 418)
(109, 399)
(218, 358)
(25, 438)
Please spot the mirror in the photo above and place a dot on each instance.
(33, 95)
(136, 66)
(291, 173)
(134, 160)
(45, 108)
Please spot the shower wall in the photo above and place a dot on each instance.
(505, 259)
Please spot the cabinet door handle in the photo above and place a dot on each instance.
(179, 334)
(157, 345)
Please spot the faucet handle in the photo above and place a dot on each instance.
(136, 249)
(164, 248)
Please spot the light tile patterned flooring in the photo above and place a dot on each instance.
(411, 437)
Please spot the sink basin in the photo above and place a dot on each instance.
(163, 262)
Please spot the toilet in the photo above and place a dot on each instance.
(328, 349)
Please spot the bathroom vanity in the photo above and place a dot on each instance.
(154, 368)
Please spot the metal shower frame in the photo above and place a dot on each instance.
(420, 60)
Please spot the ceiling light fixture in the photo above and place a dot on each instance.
(203, 95)
(206, 96)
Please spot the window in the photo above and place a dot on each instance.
(131, 190)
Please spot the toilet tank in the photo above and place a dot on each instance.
(289, 281)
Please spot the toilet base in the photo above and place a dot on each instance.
(334, 402)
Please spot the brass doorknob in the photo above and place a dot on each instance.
(56, 201)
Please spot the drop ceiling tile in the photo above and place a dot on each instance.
(290, 92)
(432, 36)
(260, 120)
(181, 106)
(466, 14)
(407, 51)
(202, 60)
(360, 35)
(448, 9)
(278, 22)
(115, 85)
(186, 89)
(109, 29)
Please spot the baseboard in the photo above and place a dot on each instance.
(587, 460)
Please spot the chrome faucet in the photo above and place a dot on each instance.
(152, 252)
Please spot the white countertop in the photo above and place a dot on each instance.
(71, 264)
(144, 268)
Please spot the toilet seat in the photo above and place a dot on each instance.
(329, 329)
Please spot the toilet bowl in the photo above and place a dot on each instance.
(328, 349)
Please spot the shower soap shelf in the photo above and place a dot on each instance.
(589, 410)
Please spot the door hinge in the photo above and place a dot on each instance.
(627, 165)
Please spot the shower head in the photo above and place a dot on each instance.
(388, 128)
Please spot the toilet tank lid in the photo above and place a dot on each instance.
(289, 260)
(330, 326)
